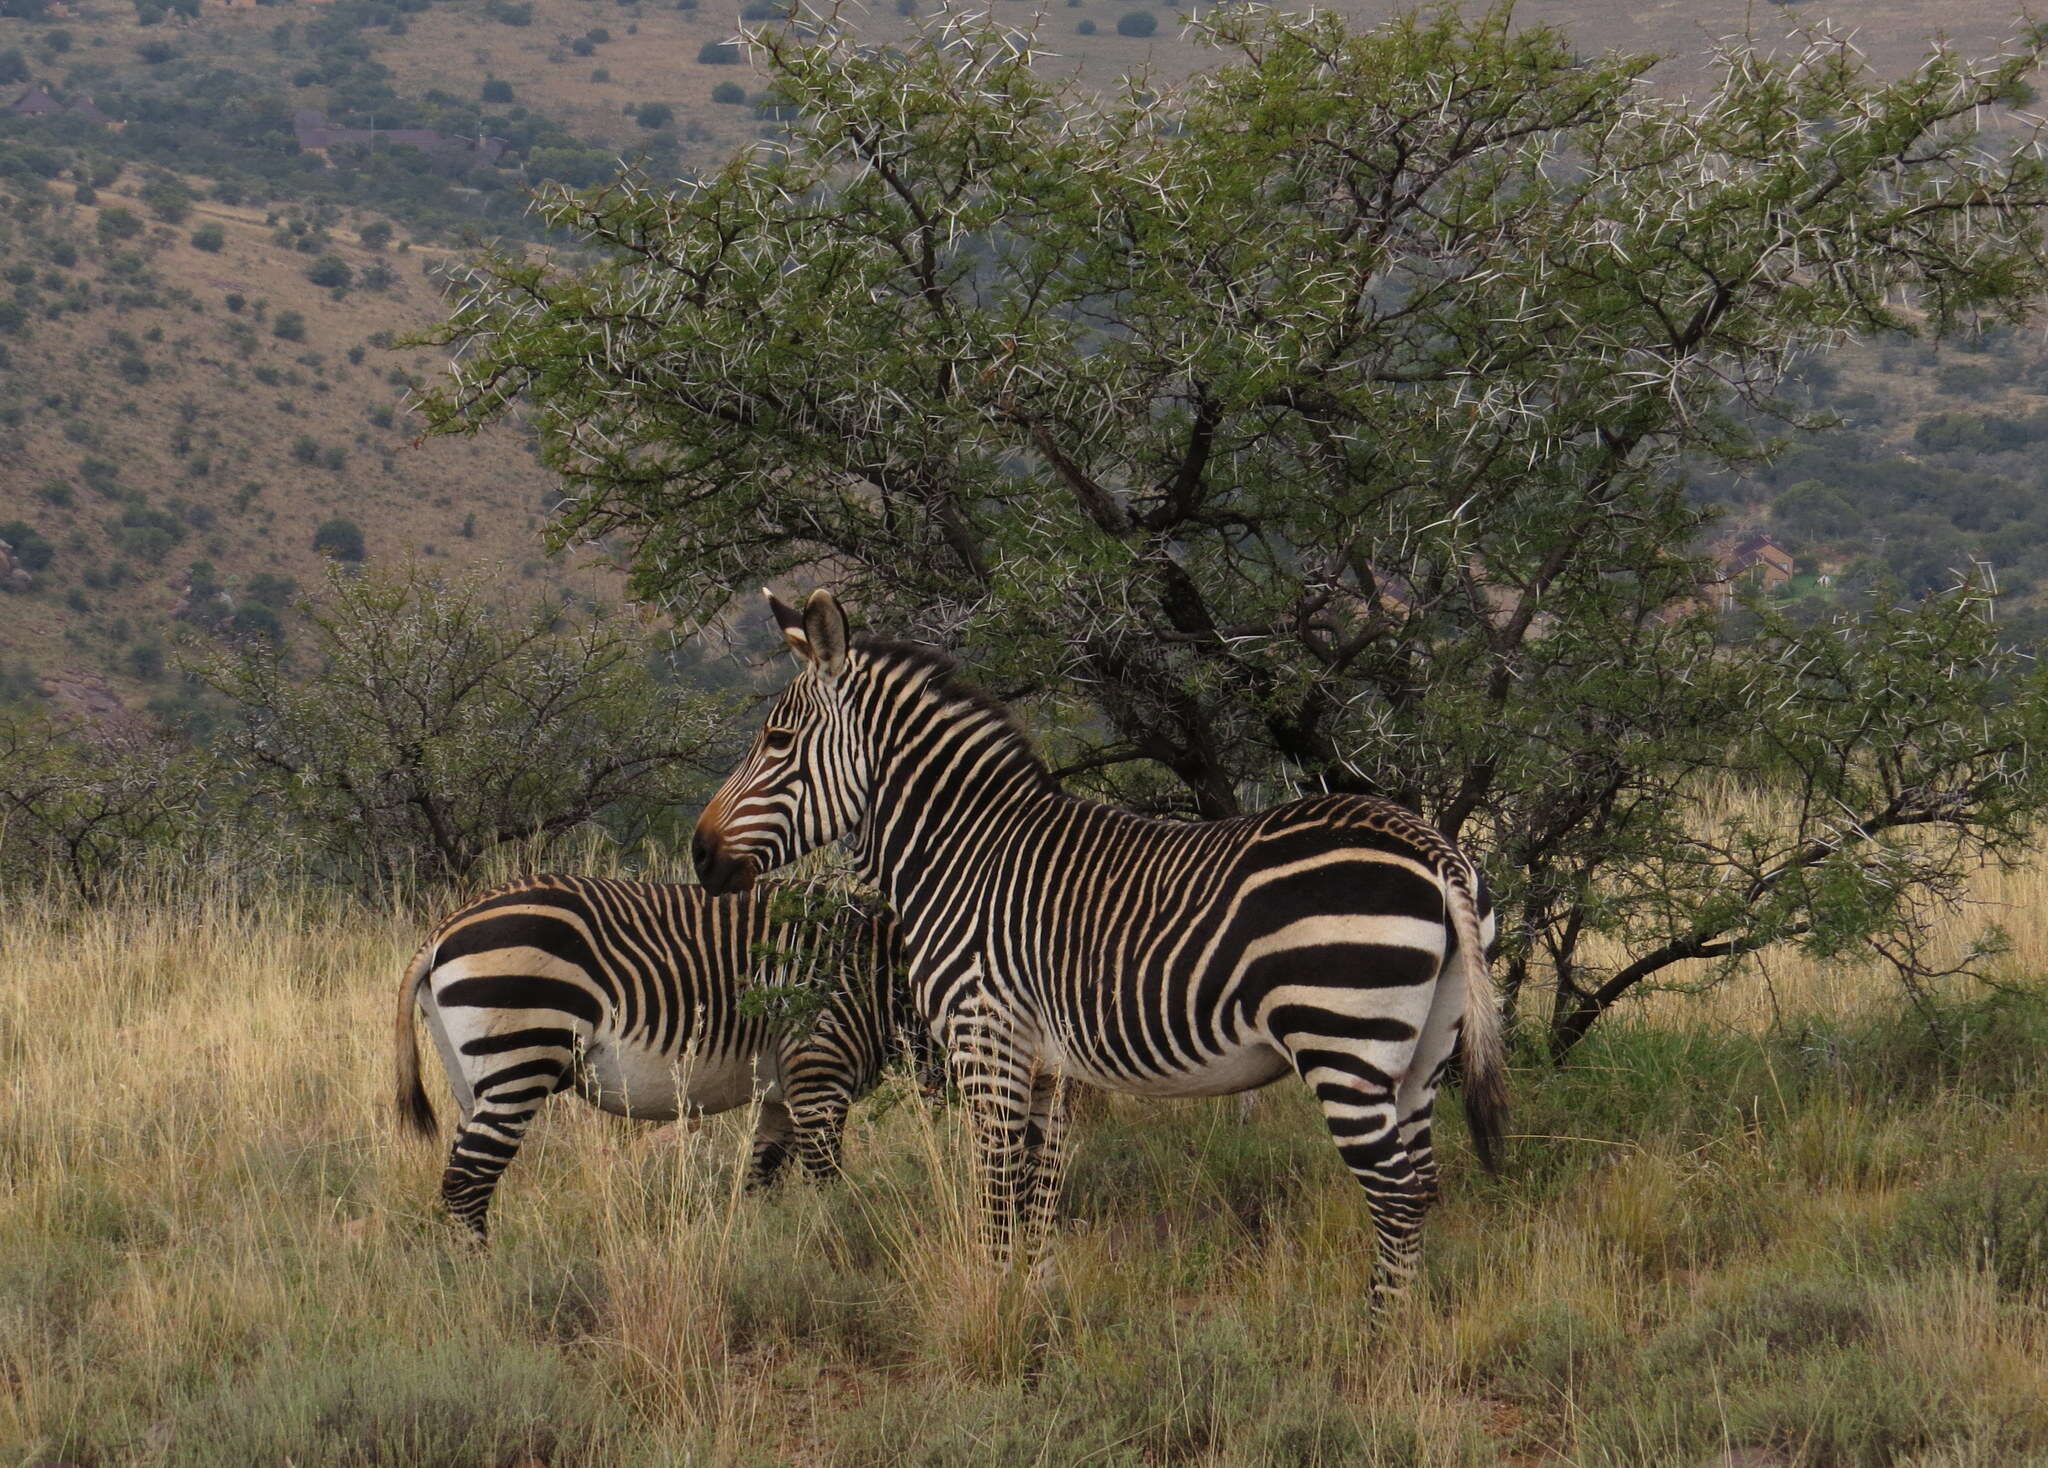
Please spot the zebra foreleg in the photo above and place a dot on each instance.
(1045, 1139)
(995, 1084)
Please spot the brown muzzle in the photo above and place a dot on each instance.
(717, 872)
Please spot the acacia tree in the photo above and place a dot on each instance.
(1316, 425)
(425, 725)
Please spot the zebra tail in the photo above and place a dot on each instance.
(1485, 1083)
(415, 1111)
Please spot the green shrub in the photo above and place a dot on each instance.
(210, 238)
(1137, 23)
(117, 223)
(31, 551)
(731, 94)
(496, 89)
(340, 538)
(720, 53)
(330, 271)
(290, 326)
(653, 115)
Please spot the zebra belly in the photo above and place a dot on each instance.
(652, 1084)
(1244, 1067)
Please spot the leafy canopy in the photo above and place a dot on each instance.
(1317, 424)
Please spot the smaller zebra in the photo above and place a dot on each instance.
(632, 993)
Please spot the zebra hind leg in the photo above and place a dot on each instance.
(484, 1147)
(820, 1115)
(1358, 1106)
(774, 1132)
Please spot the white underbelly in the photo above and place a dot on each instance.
(1241, 1068)
(655, 1085)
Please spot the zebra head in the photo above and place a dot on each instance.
(803, 783)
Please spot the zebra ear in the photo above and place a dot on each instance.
(825, 627)
(792, 624)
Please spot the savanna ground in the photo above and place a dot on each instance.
(1782, 1224)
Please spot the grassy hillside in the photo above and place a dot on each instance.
(179, 419)
(1772, 1229)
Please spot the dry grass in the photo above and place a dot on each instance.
(1825, 1245)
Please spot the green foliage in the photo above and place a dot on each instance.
(32, 552)
(338, 538)
(496, 89)
(432, 725)
(1303, 429)
(719, 53)
(1137, 23)
(289, 326)
(330, 271)
(375, 235)
(85, 809)
(210, 238)
(652, 115)
(117, 223)
(729, 94)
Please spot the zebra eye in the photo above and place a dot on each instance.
(778, 741)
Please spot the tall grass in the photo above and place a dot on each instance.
(1819, 1240)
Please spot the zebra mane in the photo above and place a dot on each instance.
(949, 685)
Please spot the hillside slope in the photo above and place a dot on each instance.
(179, 423)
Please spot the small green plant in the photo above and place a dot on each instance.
(1137, 23)
(210, 238)
(290, 326)
(731, 94)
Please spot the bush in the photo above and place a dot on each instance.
(31, 551)
(1085, 28)
(375, 235)
(210, 238)
(652, 115)
(1137, 23)
(436, 723)
(497, 89)
(731, 94)
(117, 223)
(340, 539)
(290, 326)
(719, 53)
(330, 271)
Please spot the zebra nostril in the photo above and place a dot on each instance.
(700, 854)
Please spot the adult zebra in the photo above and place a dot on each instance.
(1339, 937)
(632, 992)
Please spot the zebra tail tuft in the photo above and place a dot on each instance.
(415, 1111)
(1485, 1083)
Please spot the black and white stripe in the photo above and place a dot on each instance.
(1340, 938)
(632, 993)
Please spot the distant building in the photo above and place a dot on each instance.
(316, 135)
(1755, 561)
(35, 102)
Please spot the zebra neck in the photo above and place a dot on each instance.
(937, 800)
